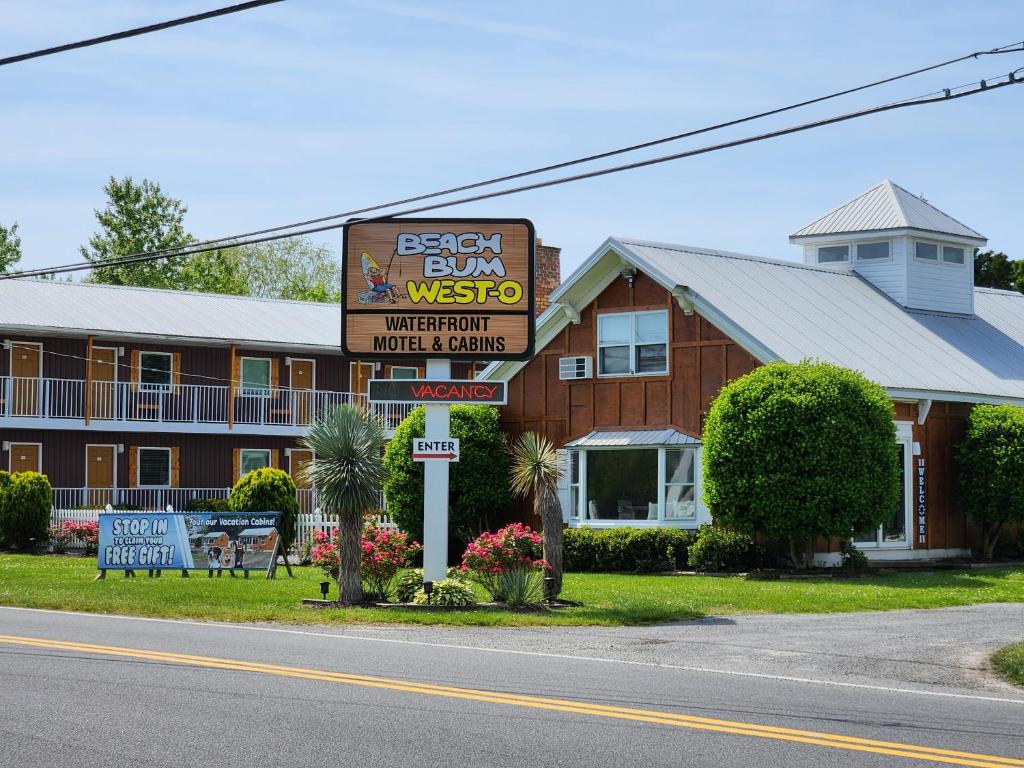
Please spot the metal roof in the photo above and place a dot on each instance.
(45, 305)
(886, 206)
(633, 438)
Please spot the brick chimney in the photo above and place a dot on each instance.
(549, 273)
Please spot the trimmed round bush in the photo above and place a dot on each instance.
(719, 550)
(268, 490)
(991, 457)
(478, 491)
(26, 499)
(636, 550)
(801, 450)
(453, 593)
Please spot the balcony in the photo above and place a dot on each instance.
(38, 403)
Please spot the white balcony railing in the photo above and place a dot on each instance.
(103, 402)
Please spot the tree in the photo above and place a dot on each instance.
(995, 270)
(478, 487)
(347, 472)
(138, 218)
(25, 505)
(10, 247)
(269, 490)
(801, 450)
(991, 458)
(536, 470)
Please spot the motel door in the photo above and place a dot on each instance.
(298, 460)
(99, 473)
(26, 372)
(103, 374)
(302, 390)
(359, 378)
(25, 457)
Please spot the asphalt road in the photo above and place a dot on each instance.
(794, 691)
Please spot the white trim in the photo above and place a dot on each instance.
(905, 439)
(846, 260)
(940, 253)
(117, 361)
(916, 554)
(39, 454)
(255, 391)
(291, 372)
(114, 454)
(270, 460)
(138, 465)
(16, 343)
(632, 344)
(150, 386)
(415, 370)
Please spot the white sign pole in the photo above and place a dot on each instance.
(435, 484)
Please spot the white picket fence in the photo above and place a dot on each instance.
(307, 525)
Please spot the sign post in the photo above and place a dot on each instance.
(439, 290)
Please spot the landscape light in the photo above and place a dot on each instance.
(428, 587)
(324, 587)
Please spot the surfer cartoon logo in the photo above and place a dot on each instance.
(380, 290)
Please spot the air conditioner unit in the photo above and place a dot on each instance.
(570, 368)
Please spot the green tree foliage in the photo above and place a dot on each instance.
(347, 472)
(801, 450)
(25, 502)
(991, 457)
(137, 218)
(10, 247)
(478, 493)
(268, 490)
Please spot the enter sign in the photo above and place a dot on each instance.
(424, 449)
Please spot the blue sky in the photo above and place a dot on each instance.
(315, 106)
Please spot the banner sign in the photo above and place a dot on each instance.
(920, 503)
(432, 391)
(242, 541)
(438, 288)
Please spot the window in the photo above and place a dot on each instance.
(155, 373)
(873, 251)
(250, 460)
(574, 484)
(680, 484)
(255, 376)
(952, 255)
(154, 467)
(833, 254)
(622, 484)
(403, 372)
(926, 251)
(632, 343)
(894, 531)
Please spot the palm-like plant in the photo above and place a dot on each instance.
(347, 473)
(536, 469)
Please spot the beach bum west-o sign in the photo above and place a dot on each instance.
(438, 288)
(244, 541)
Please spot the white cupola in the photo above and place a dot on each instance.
(906, 247)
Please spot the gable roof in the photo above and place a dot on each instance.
(886, 206)
(56, 307)
(779, 310)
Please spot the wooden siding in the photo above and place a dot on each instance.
(946, 526)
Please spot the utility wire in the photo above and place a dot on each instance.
(983, 86)
(137, 31)
(1014, 47)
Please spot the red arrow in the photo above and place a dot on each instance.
(434, 456)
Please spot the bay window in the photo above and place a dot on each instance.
(632, 343)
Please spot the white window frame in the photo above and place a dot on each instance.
(413, 368)
(39, 454)
(353, 376)
(578, 516)
(138, 466)
(255, 391)
(241, 460)
(633, 343)
(938, 251)
(149, 386)
(847, 260)
(857, 257)
(905, 440)
(942, 254)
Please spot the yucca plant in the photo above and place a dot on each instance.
(536, 469)
(347, 472)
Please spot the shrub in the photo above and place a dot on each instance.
(720, 550)
(637, 550)
(801, 450)
(87, 532)
(853, 559)
(384, 553)
(25, 510)
(211, 505)
(453, 593)
(490, 556)
(479, 480)
(268, 490)
(991, 457)
(58, 539)
(411, 580)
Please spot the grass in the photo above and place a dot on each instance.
(608, 599)
(1009, 662)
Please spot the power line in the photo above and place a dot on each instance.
(1014, 47)
(137, 31)
(983, 86)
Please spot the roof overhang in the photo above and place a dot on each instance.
(835, 237)
(633, 438)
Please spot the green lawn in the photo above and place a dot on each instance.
(609, 599)
(1009, 662)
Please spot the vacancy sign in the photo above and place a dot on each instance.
(424, 449)
(438, 288)
(444, 392)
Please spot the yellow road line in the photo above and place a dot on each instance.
(834, 740)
